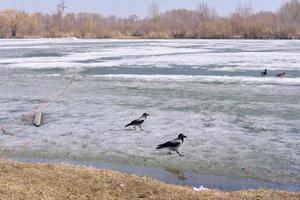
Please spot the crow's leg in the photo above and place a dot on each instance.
(179, 153)
(170, 152)
(141, 127)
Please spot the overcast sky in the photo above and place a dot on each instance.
(124, 8)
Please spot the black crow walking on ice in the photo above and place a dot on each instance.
(138, 122)
(173, 145)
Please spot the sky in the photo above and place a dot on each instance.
(124, 8)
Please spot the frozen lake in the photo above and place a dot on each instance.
(210, 90)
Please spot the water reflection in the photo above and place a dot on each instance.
(178, 173)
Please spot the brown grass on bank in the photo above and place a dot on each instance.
(61, 181)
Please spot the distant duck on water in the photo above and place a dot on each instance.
(264, 73)
(281, 75)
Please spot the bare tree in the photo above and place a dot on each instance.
(13, 18)
(2, 26)
(290, 14)
(60, 8)
(58, 18)
(205, 12)
(244, 10)
(153, 10)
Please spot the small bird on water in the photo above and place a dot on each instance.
(281, 75)
(264, 73)
(138, 122)
(173, 145)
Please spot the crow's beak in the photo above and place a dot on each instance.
(185, 136)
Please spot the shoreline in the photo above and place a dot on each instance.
(171, 175)
(63, 181)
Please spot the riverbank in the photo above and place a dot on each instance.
(171, 174)
(61, 181)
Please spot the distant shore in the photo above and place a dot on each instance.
(144, 38)
(62, 181)
(202, 21)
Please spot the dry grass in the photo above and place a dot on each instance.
(61, 181)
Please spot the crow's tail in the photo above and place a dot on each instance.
(160, 146)
(164, 145)
(128, 125)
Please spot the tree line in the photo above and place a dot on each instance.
(203, 22)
